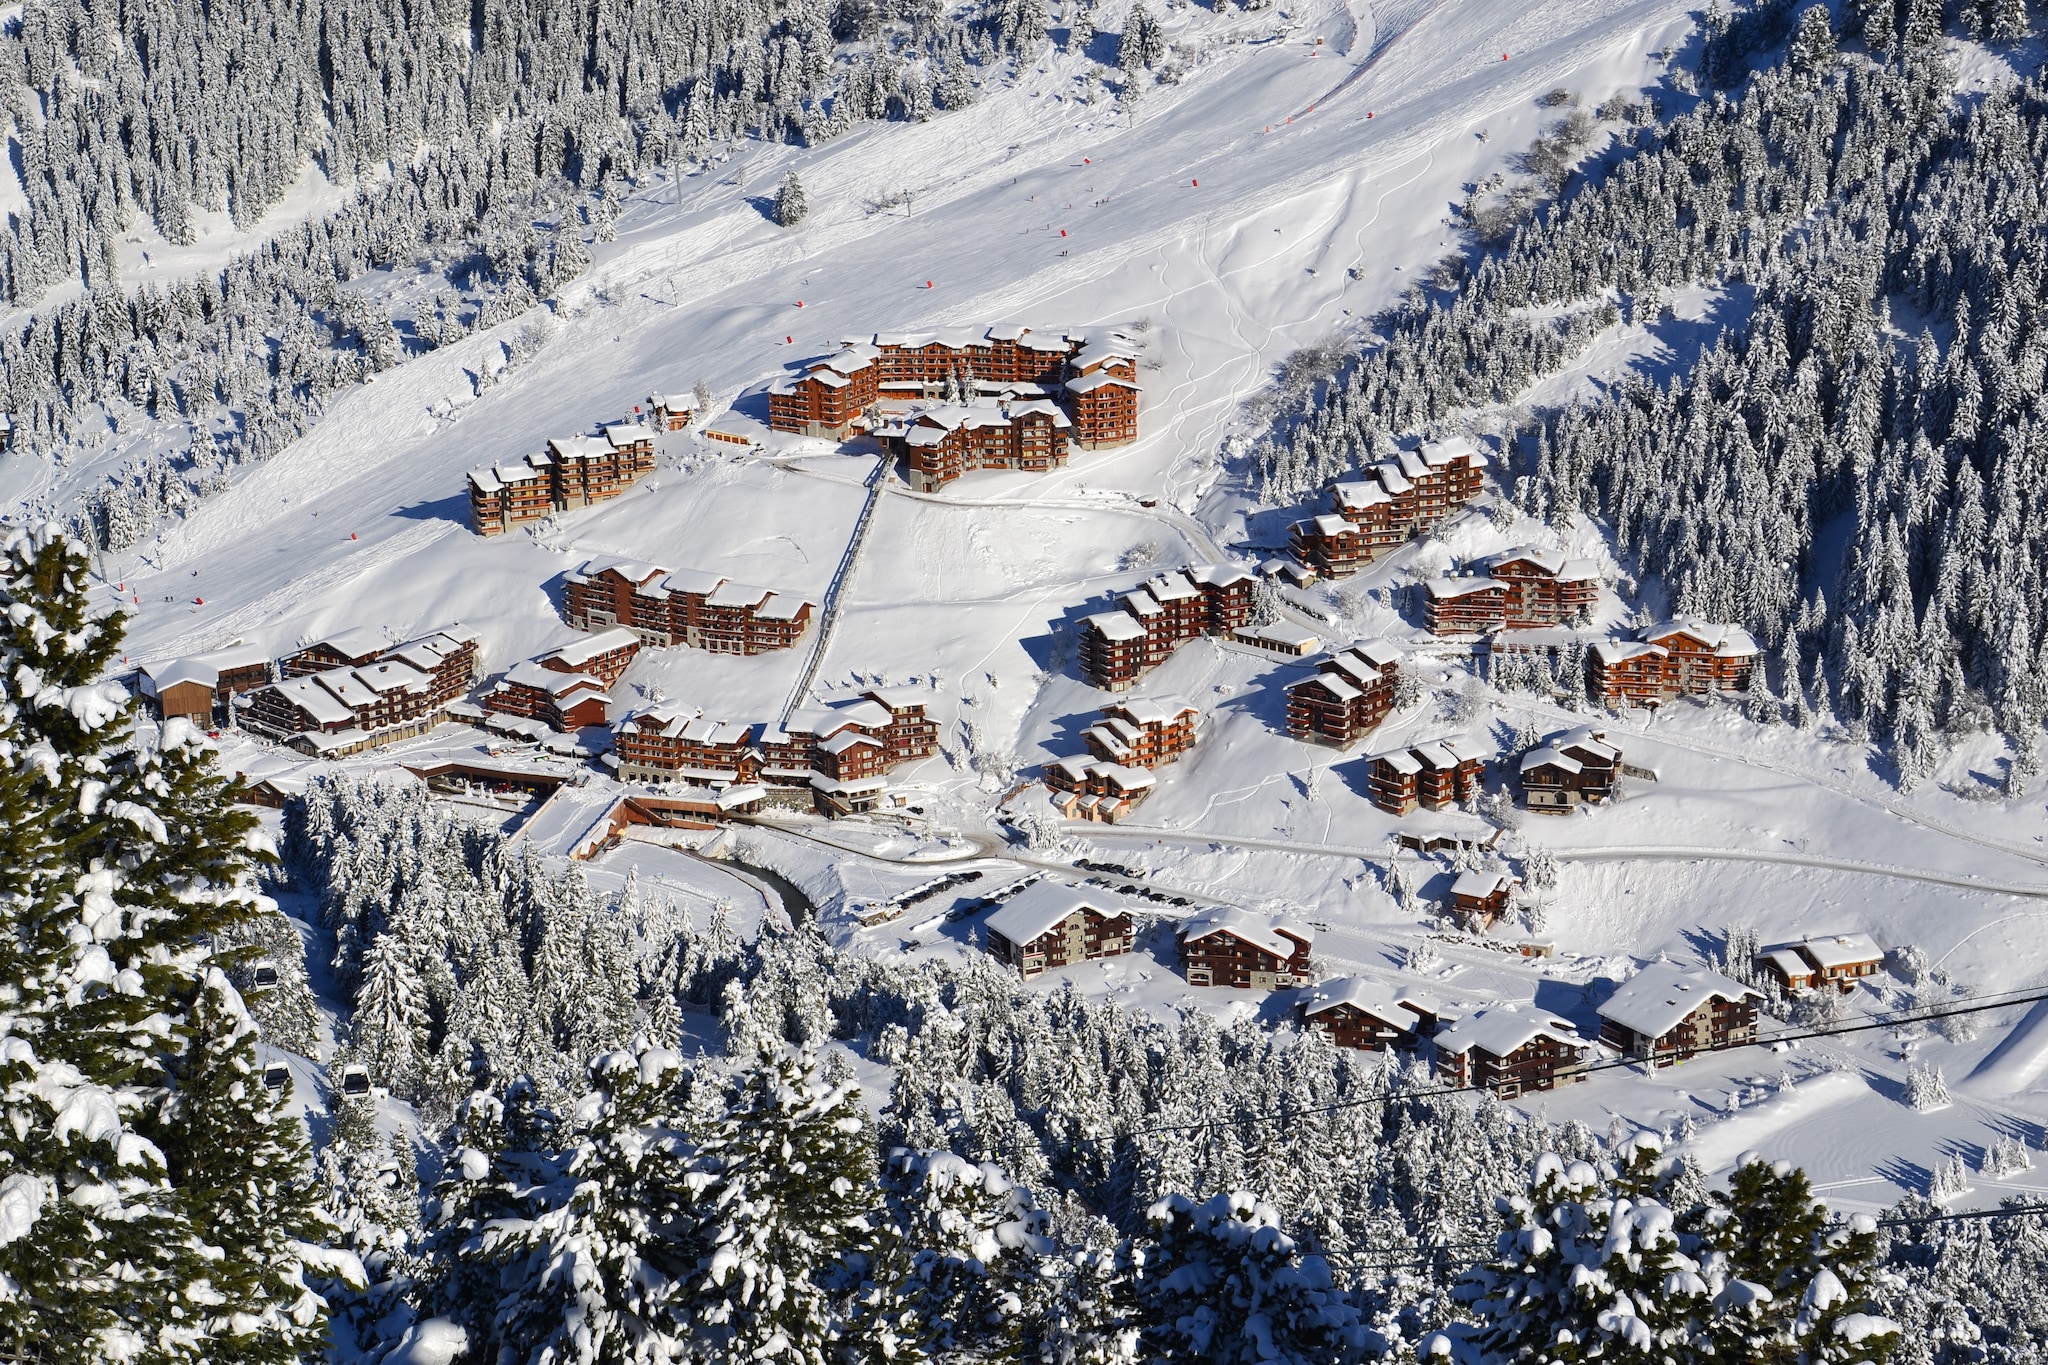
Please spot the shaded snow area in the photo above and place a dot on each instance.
(1284, 189)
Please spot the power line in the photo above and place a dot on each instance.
(1395, 1096)
(1430, 1255)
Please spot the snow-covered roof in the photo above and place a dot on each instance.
(1218, 575)
(691, 582)
(1044, 905)
(1123, 777)
(1393, 1004)
(627, 433)
(580, 448)
(580, 652)
(1281, 635)
(1502, 1030)
(1331, 526)
(359, 643)
(1261, 931)
(1549, 561)
(631, 570)
(1116, 625)
(1154, 710)
(1477, 885)
(1550, 758)
(1788, 961)
(866, 712)
(316, 701)
(1841, 950)
(1660, 996)
(554, 682)
(1359, 493)
(839, 744)
(1451, 449)
(782, 606)
(1588, 741)
(1728, 642)
(1336, 684)
(172, 672)
(1391, 477)
(1400, 760)
(729, 594)
(1442, 588)
(1622, 651)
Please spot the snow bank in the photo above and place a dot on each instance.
(1719, 1147)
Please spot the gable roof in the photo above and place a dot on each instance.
(1503, 1030)
(1659, 997)
(1394, 1004)
(1045, 904)
(1261, 931)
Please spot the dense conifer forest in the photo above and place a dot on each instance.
(1846, 469)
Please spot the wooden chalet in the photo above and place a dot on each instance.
(1680, 658)
(664, 744)
(1157, 618)
(349, 649)
(198, 686)
(1838, 960)
(562, 700)
(1515, 590)
(834, 758)
(345, 710)
(1233, 947)
(1105, 408)
(1351, 693)
(1433, 776)
(1397, 500)
(1143, 733)
(830, 399)
(1091, 384)
(1359, 1013)
(1480, 899)
(1102, 792)
(683, 607)
(1049, 925)
(938, 444)
(604, 656)
(1576, 767)
(671, 412)
(573, 471)
(1665, 1013)
(448, 656)
(1511, 1052)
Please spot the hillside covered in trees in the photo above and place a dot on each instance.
(1847, 469)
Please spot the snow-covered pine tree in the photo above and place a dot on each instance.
(790, 205)
(779, 1185)
(949, 1266)
(594, 1261)
(1143, 42)
(1926, 1089)
(1222, 1282)
(123, 863)
(244, 1169)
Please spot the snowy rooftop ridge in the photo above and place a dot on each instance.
(1661, 996)
(1504, 1029)
(1043, 905)
(1268, 932)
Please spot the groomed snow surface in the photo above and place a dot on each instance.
(1284, 189)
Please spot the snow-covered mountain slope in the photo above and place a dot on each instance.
(1285, 188)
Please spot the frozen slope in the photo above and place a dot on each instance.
(1231, 235)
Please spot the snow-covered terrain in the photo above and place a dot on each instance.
(1296, 181)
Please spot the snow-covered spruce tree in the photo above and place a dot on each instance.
(1221, 1282)
(790, 205)
(1593, 1264)
(1582, 1269)
(593, 1261)
(154, 1211)
(949, 1266)
(779, 1186)
(1766, 1230)
(1143, 42)
(1926, 1089)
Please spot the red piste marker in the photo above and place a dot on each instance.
(198, 601)
(1196, 183)
(352, 534)
(789, 341)
(1063, 232)
(927, 284)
